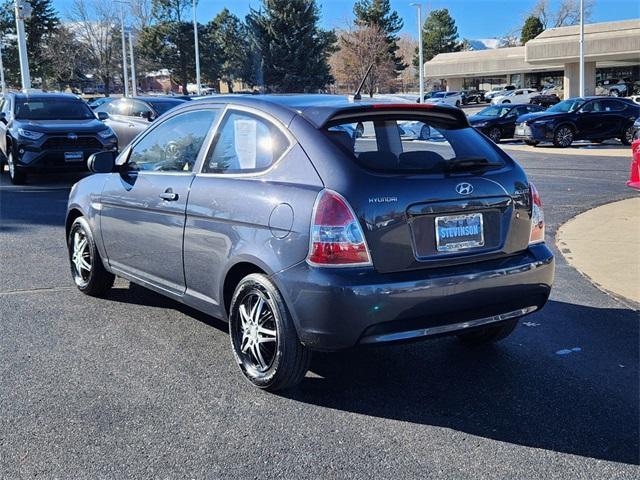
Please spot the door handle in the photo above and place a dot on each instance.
(169, 195)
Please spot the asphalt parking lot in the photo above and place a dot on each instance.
(137, 385)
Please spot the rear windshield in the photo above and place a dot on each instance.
(53, 109)
(400, 144)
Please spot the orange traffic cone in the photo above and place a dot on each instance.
(634, 176)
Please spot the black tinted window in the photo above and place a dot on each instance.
(397, 145)
(52, 109)
(612, 106)
(173, 145)
(245, 143)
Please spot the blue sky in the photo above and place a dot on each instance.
(474, 18)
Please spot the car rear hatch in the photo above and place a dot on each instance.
(453, 198)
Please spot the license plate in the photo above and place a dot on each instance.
(519, 130)
(459, 232)
(73, 156)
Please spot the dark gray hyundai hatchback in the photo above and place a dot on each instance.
(315, 222)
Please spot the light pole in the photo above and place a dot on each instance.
(582, 48)
(2, 84)
(420, 56)
(195, 39)
(134, 83)
(23, 10)
(124, 51)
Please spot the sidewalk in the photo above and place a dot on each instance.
(604, 244)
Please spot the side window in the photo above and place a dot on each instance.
(139, 109)
(612, 106)
(245, 143)
(590, 107)
(117, 107)
(173, 145)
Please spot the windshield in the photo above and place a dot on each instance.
(439, 95)
(411, 144)
(566, 106)
(53, 109)
(495, 111)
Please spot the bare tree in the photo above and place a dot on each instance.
(408, 78)
(61, 54)
(361, 46)
(567, 13)
(94, 24)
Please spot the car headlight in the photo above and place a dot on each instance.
(30, 134)
(106, 133)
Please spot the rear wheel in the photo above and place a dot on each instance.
(87, 269)
(458, 103)
(563, 136)
(425, 132)
(491, 334)
(17, 176)
(263, 336)
(495, 134)
(627, 135)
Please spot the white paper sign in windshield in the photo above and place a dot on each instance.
(245, 142)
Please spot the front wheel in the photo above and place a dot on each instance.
(16, 175)
(495, 134)
(458, 103)
(263, 336)
(491, 334)
(627, 135)
(425, 132)
(563, 137)
(87, 269)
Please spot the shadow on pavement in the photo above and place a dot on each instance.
(519, 391)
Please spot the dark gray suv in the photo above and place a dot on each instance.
(310, 223)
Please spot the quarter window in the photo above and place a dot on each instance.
(245, 143)
(139, 109)
(612, 106)
(173, 145)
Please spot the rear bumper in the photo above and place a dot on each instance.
(340, 308)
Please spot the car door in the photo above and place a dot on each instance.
(509, 123)
(143, 205)
(614, 118)
(589, 121)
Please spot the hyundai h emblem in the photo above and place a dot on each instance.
(464, 188)
(72, 136)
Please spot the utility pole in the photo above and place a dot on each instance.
(23, 11)
(124, 52)
(195, 39)
(2, 84)
(420, 55)
(134, 83)
(582, 48)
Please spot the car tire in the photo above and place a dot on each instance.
(506, 101)
(458, 103)
(2, 163)
(531, 143)
(16, 175)
(627, 135)
(87, 269)
(563, 136)
(491, 334)
(495, 134)
(425, 132)
(258, 318)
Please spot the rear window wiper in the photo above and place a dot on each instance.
(470, 164)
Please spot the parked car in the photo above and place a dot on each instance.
(618, 87)
(47, 132)
(263, 211)
(427, 96)
(130, 116)
(591, 118)
(499, 121)
(96, 102)
(545, 99)
(518, 96)
(495, 91)
(445, 98)
(414, 130)
(472, 96)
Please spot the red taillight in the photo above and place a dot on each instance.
(337, 238)
(537, 216)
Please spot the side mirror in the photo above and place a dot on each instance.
(102, 162)
(149, 115)
(103, 116)
(3, 117)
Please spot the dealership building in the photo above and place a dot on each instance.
(611, 51)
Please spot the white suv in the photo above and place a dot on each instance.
(517, 96)
(449, 98)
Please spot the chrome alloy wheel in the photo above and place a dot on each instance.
(258, 331)
(564, 136)
(10, 164)
(81, 258)
(628, 135)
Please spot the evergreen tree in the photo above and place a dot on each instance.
(531, 29)
(289, 51)
(379, 13)
(439, 34)
(225, 48)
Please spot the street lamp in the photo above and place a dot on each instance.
(2, 84)
(124, 48)
(195, 39)
(420, 56)
(23, 11)
(134, 83)
(582, 48)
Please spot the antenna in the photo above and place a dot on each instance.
(357, 95)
